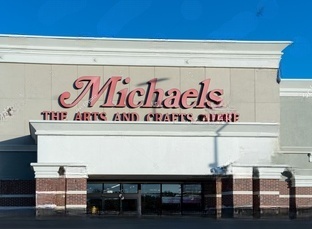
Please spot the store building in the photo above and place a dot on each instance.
(152, 127)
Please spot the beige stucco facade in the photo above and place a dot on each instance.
(228, 77)
(33, 88)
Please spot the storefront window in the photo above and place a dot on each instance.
(156, 199)
(94, 188)
(130, 188)
(191, 201)
(171, 199)
(151, 202)
(111, 188)
(150, 188)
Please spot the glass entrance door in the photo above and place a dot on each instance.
(146, 198)
(151, 199)
(120, 198)
(171, 199)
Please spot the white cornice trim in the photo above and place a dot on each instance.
(48, 170)
(151, 133)
(240, 172)
(272, 172)
(296, 87)
(295, 150)
(175, 129)
(302, 180)
(295, 92)
(140, 52)
(256, 171)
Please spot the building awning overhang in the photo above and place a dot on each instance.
(186, 129)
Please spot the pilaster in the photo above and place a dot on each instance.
(60, 189)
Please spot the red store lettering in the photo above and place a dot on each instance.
(147, 98)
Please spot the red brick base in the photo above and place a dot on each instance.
(256, 197)
(63, 195)
(60, 188)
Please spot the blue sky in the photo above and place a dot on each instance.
(284, 20)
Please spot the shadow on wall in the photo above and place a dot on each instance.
(227, 200)
(23, 140)
(292, 193)
(215, 164)
(256, 190)
(15, 157)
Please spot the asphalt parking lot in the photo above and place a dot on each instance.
(118, 222)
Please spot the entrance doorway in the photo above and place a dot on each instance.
(145, 198)
(113, 198)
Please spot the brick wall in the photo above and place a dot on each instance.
(303, 190)
(242, 190)
(284, 189)
(74, 184)
(242, 197)
(52, 184)
(233, 196)
(301, 202)
(267, 193)
(61, 194)
(76, 199)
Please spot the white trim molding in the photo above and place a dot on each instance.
(190, 129)
(296, 88)
(270, 171)
(293, 92)
(67, 207)
(295, 196)
(76, 206)
(61, 192)
(53, 206)
(274, 193)
(241, 172)
(75, 171)
(295, 150)
(237, 193)
(141, 52)
(47, 170)
(302, 181)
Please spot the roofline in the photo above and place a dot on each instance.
(140, 52)
(295, 79)
(147, 39)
